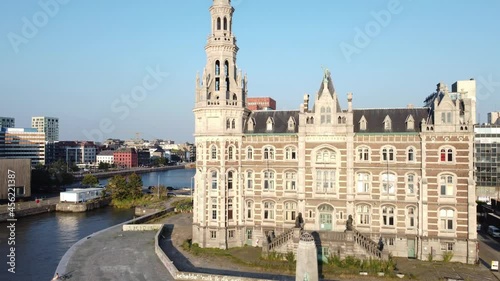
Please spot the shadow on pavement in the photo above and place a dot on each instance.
(183, 264)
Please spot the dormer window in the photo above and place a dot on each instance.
(269, 124)
(291, 124)
(362, 123)
(446, 118)
(251, 124)
(387, 123)
(410, 123)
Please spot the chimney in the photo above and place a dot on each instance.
(306, 102)
(410, 106)
(349, 102)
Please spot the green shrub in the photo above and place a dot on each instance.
(447, 256)
(290, 257)
(430, 257)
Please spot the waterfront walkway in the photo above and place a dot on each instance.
(117, 255)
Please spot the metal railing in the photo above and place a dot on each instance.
(370, 246)
(280, 240)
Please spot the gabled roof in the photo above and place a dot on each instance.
(279, 117)
(331, 89)
(375, 119)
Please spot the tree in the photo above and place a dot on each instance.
(135, 185)
(118, 187)
(103, 166)
(90, 180)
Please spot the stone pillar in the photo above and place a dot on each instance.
(307, 260)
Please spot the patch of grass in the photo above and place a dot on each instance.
(145, 201)
(430, 257)
(183, 205)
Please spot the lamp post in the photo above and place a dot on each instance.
(192, 187)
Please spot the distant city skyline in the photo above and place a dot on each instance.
(82, 61)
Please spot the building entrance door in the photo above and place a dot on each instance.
(325, 217)
(249, 236)
(411, 248)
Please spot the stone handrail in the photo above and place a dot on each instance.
(280, 240)
(368, 245)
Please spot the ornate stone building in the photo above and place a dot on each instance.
(403, 174)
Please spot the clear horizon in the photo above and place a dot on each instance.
(81, 60)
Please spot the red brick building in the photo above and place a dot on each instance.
(261, 103)
(126, 158)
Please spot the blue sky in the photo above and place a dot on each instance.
(86, 55)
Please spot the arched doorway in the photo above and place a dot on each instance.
(325, 219)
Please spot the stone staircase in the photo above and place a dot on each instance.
(351, 243)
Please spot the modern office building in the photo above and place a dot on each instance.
(76, 152)
(402, 174)
(487, 161)
(48, 125)
(23, 143)
(7, 122)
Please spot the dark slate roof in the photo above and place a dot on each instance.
(280, 119)
(375, 119)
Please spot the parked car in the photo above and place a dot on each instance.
(171, 194)
(493, 231)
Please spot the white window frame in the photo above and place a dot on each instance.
(268, 210)
(290, 211)
(363, 182)
(249, 153)
(447, 185)
(326, 180)
(268, 180)
(363, 214)
(290, 180)
(411, 184)
(249, 179)
(447, 219)
(388, 212)
(388, 181)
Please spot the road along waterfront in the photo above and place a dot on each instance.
(42, 240)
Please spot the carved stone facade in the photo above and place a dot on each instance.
(404, 174)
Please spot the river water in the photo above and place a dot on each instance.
(41, 240)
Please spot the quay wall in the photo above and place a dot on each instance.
(82, 207)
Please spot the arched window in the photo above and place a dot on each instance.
(326, 156)
(410, 217)
(447, 185)
(218, 24)
(213, 152)
(290, 153)
(388, 154)
(388, 216)
(249, 207)
(290, 211)
(363, 182)
(411, 154)
(446, 219)
(268, 180)
(290, 179)
(226, 68)
(235, 97)
(269, 153)
(225, 23)
(230, 153)
(228, 124)
(227, 84)
(388, 183)
(249, 179)
(363, 154)
(410, 184)
(217, 67)
(230, 180)
(268, 210)
(249, 153)
(217, 84)
(363, 214)
(233, 124)
(214, 179)
(446, 154)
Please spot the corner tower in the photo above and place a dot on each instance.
(222, 87)
(220, 112)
